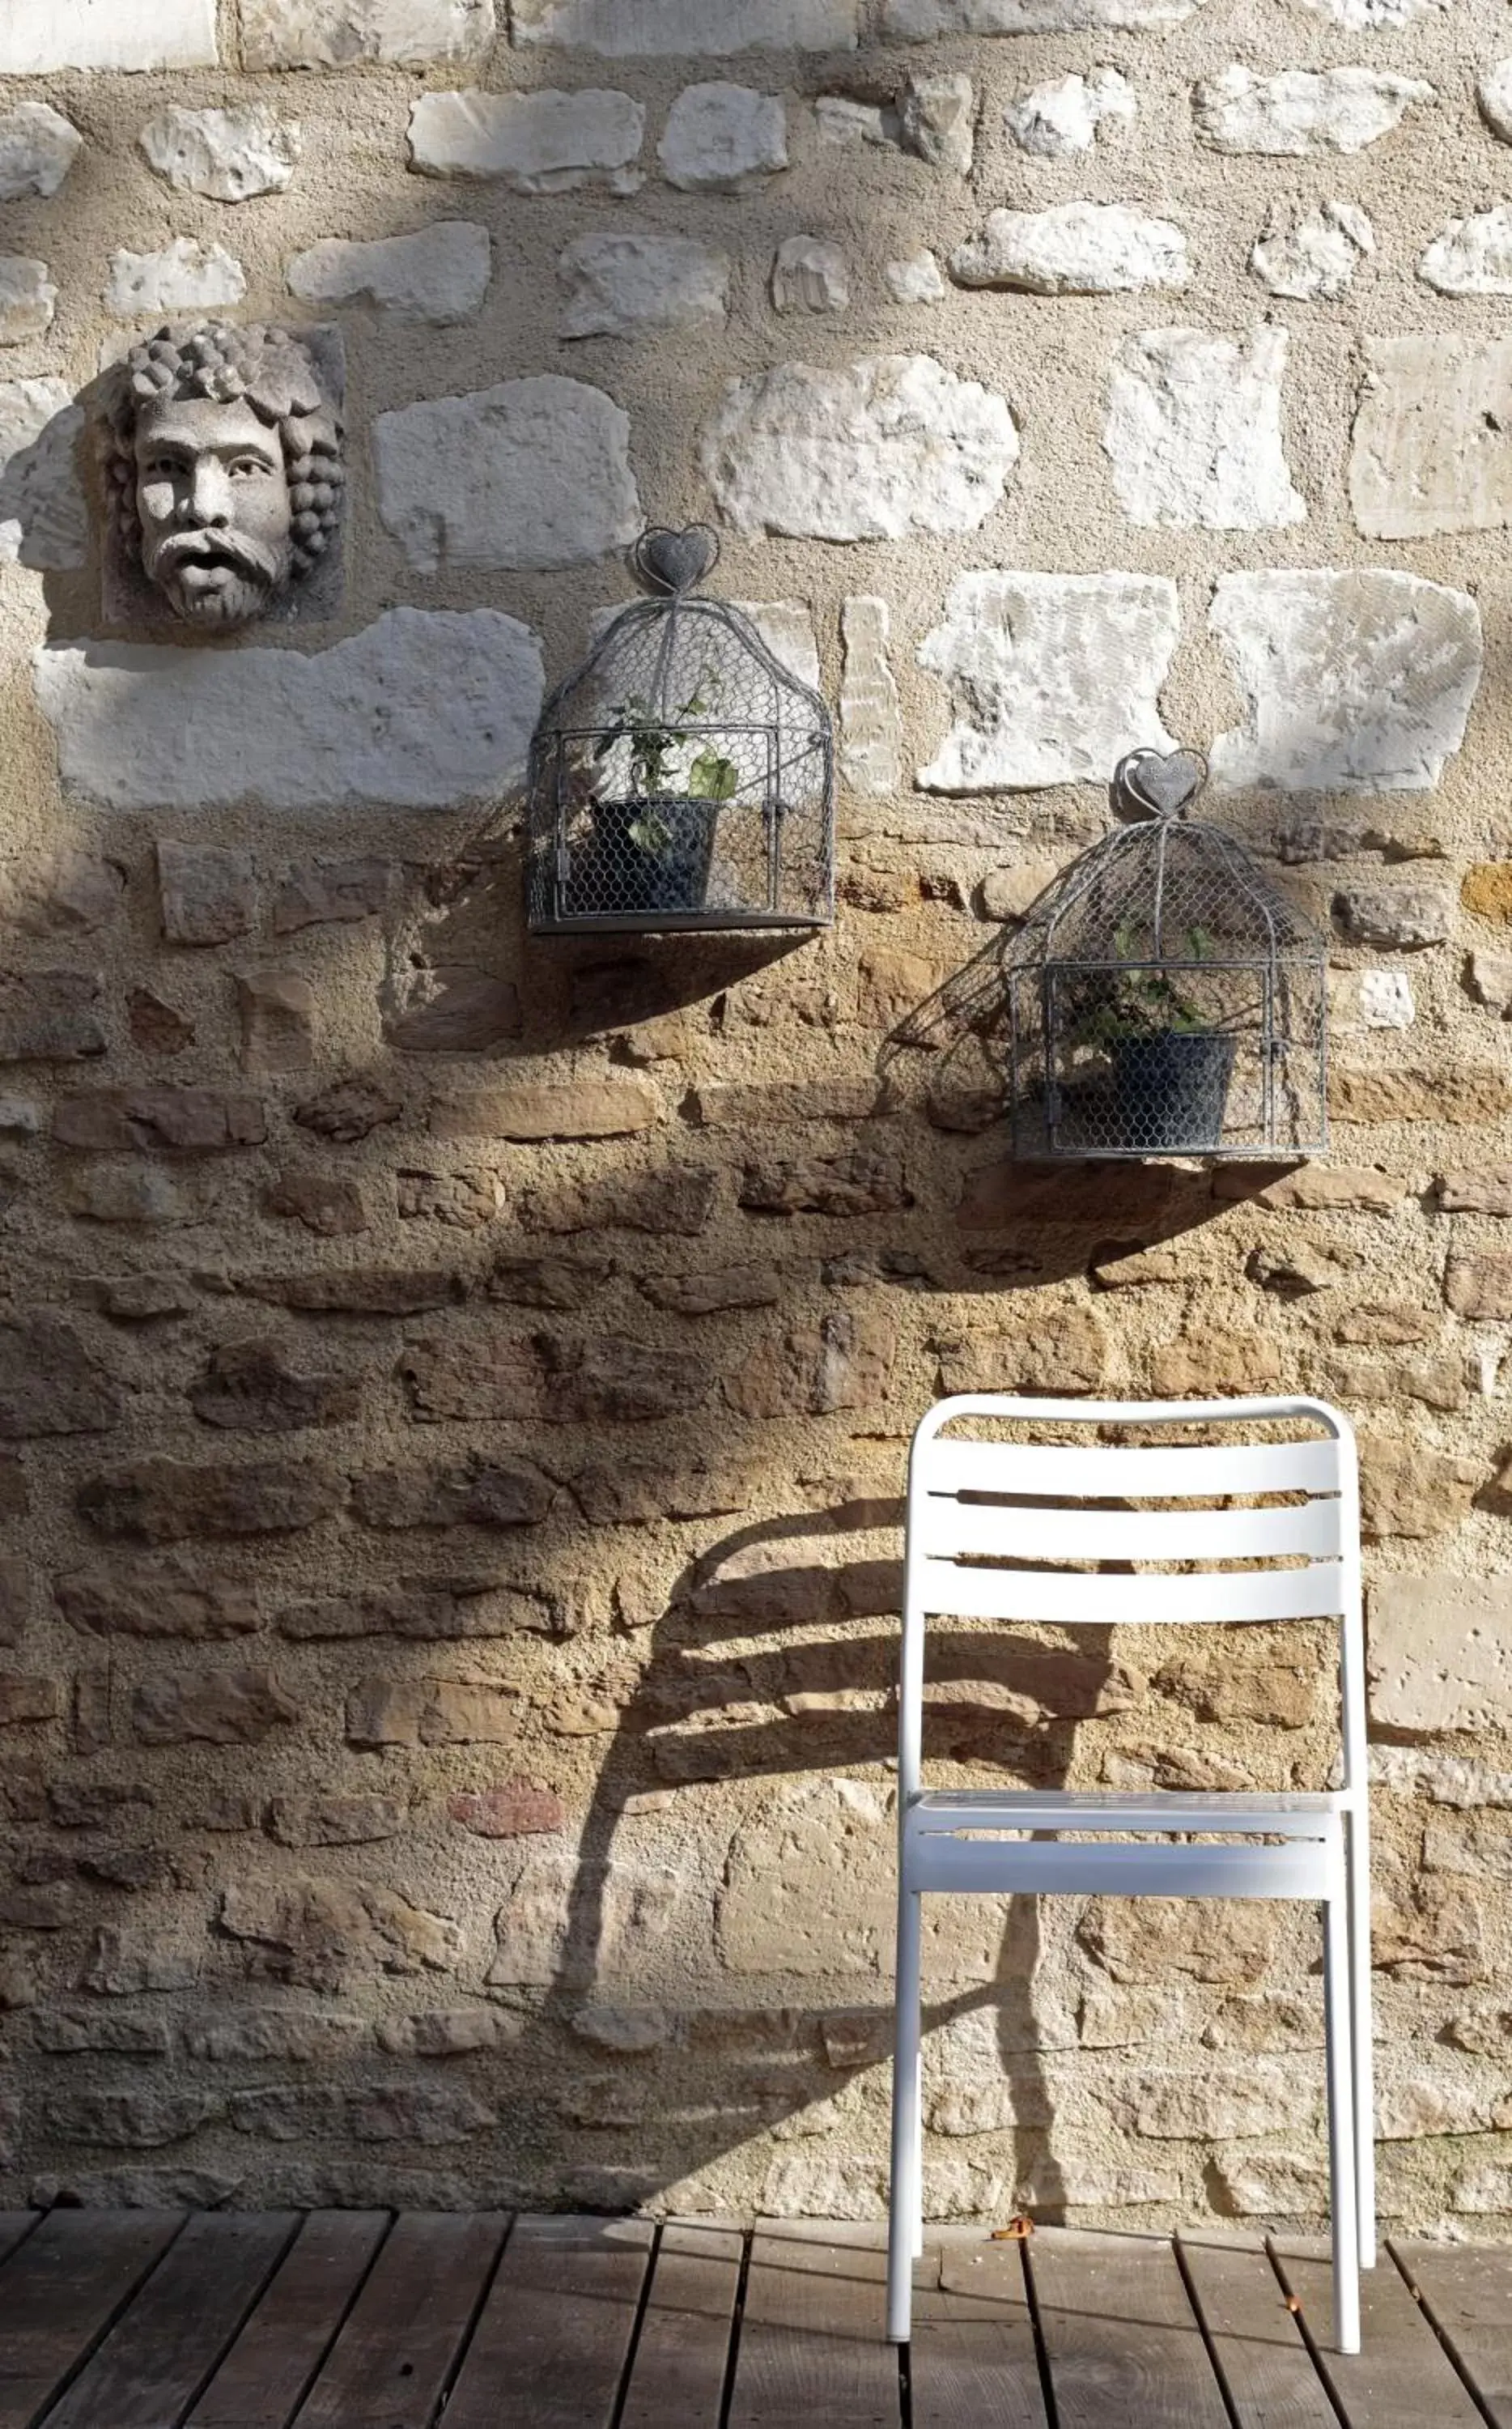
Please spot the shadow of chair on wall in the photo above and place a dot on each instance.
(816, 1701)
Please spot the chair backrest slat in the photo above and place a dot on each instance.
(954, 1589)
(1092, 1472)
(950, 1530)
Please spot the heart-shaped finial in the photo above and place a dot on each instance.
(675, 561)
(1159, 786)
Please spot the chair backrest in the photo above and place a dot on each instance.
(976, 1507)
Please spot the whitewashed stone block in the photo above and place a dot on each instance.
(1074, 249)
(853, 125)
(1356, 682)
(1302, 110)
(1431, 449)
(528, 473)
(916, 279)
(1441, 1653)
(440, 274)
(1069, 115)
(1494, 94)
(920, 21)
(185, 277)
(1372, 16)
(421, 712)
(722, 139)
(871, 725)
(616, 283)
(37, 147)
(39, 35)
(893, 444)
(1053, 677)
(28, 299)
(535, 142)
(809, 275)
(43, 521)
(1193, 432)
(623, 29)
(1311, 256)
(227, 155)
(937, 121)
(1386, 999)
(1471, 257)
(786, 626)
(352, 33)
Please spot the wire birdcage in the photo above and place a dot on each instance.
(684, 778)
(1163, 998)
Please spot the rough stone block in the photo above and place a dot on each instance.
(50, 1017)
(1193, 432)
(358, 1290)
(1429, 451)
(1311, 256)
(1302, 111)
(60, 893)
(27, 298)
(1074, 248)
(430, 1711)
(919, 20)
(574, 1109)
(529, 473)
(1409, 1488)
(1494, 94)
(871, 730)
(1471, 257)
(278, 1022)
(1356, 682)
(315, 891)
(323, 1203)
(810, 274)
(440, 275)
(463, 1200)
(1440, 1654)
(252, 1386)
(37, 147)
(516, 1808)
(208, 893)
(679, 1200)
(188, 1121)
(1407, 915)
(1052, 121)
(936, 117)
(845, 1362)
(678, 29)
(863, 1182)
(227, 155)
(1158, 1940)
(534, 142)
(38, 37)
(334, 1821)
(618, 281)
(916, 278)
(43, 519)
(1468, 1093)
(27, 1697)
(423, 710)
(223, 1706)
(454, 1009)
(167, 1500)
(351, 33)
(893, 444)
(1053, 677)
(321, 1932)
(51, 1382)
(185, 277)
(157, 1599)
(722, 139)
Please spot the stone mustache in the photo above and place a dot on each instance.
(225, 471)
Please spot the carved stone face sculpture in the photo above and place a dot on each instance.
(225, 469)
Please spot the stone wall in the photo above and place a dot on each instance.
(452, 1390)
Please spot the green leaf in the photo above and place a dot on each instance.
(712, 776)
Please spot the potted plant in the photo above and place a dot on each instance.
(653, 844)
(1169, 1068)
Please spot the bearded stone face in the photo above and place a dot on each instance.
(213, 500)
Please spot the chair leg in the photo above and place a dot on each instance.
(1343, 2185)
(906, 2206)
(1363, 2039)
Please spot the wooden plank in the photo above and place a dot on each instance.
(1122, 2339)
(550, 2350)
(1467, 2296)
(683, 2351)
(1264, 2360)
(270, 2367)
(15, 2225)
(391, 2364)
(155, 2361)
(811, 2346)
(972, 2358)
(60, 2293)
(1401, 2377)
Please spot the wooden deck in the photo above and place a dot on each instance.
(357, 2319)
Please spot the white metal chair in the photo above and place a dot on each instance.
(1040, 1506)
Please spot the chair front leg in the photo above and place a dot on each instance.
(1343, 2183)
(905, 2237)
(1363, 2038)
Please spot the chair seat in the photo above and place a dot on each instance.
(945, 1812)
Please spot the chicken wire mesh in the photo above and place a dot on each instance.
(1163, 998)
(683, 777)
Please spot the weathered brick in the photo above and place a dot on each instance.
(1454, 1093)
(357, 1290)
(430, 1711)
(165, 1500)
(631, 1491)
(679, 1200)
(125, 1961)
(1485, 1189)
(1156, 1940)
(157, 1598)
(553, 1381)
(572, 1109)
(712, 1293)
(130, 2120)
(515, 1810)
(1104, 1195)
(472, 1493)
(863, 1182)
(189, 1121)
(1204, 1360)
(51, 1383)
(223, 1706)
(334, 1821)
(301, 2039)
(254, 1387)
(445, 2032)
(449, 1610)
(59, 892)
(564, 1283)
(15, 1597)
